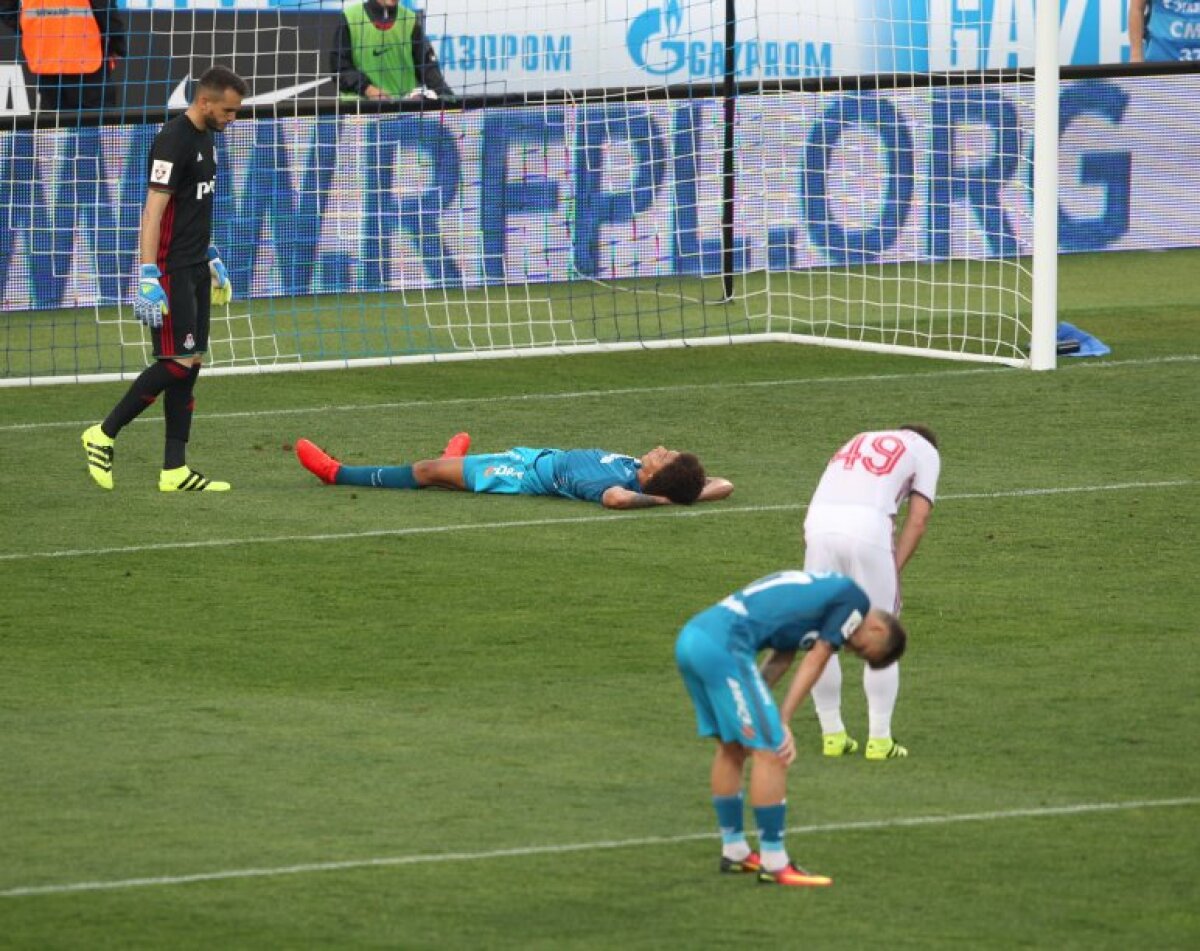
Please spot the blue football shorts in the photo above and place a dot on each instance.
(732, 700)
(504, 473)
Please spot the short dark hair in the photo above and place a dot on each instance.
(681, 480)
(923, 431)
(897, 640)
(219, 78)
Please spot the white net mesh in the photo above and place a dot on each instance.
(480, 179)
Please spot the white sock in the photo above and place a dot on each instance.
(774, 861)
(882, 688)
(736, 851)
(827, 697)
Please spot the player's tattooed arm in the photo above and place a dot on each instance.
(616, 497)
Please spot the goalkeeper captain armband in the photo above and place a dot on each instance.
(222, 289)
(151, 301)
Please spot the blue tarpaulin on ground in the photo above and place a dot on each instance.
(1073, 342)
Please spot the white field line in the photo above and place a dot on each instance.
(693, 512)
(609, 394)
(900, 822)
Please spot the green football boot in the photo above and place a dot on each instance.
(885, 748)
(185, 479)
(838, 744)
(99, 451)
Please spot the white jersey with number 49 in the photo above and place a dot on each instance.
(849, 527)
(879, 470)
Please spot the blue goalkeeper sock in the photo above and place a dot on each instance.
(731, 819)
(380, 477)
(771, 822)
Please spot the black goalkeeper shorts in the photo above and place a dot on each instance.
(184, 330)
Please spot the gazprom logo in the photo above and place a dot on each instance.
(651, 42)
(659, 44)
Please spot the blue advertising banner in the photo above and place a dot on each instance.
(325, 204)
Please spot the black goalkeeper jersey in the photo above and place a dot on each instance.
(183, 161)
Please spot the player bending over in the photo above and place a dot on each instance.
(785, 612)
(851, 528)
(617, 481)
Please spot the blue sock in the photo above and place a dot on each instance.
(380, 477)
(771, 822)
(731, 818)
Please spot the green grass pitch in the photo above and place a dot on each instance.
(299, 716)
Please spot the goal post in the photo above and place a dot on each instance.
(1043, 353)
(624, 174)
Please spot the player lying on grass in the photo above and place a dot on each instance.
(660, 477)
(785, 612)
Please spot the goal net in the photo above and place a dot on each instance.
(532, 176)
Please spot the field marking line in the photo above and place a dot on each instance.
(901, 822)
(543, 522)
(607, 394)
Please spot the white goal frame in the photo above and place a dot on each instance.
(1033, 343)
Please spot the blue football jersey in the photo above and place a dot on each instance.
(1173, 30)
(586, 473)
(788, 611)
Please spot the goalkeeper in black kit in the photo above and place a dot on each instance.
(181, 276)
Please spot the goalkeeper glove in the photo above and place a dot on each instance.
(222, 290)
(151, 301)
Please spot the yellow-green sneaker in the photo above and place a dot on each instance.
(99, 451)
(838, 744)
(885, 748)
(185, 479)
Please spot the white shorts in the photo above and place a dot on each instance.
(868, 559)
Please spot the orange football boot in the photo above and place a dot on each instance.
(792, 875)
(459, 445)
(317, 461)
(751, 863)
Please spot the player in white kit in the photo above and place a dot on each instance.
(850, 528)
